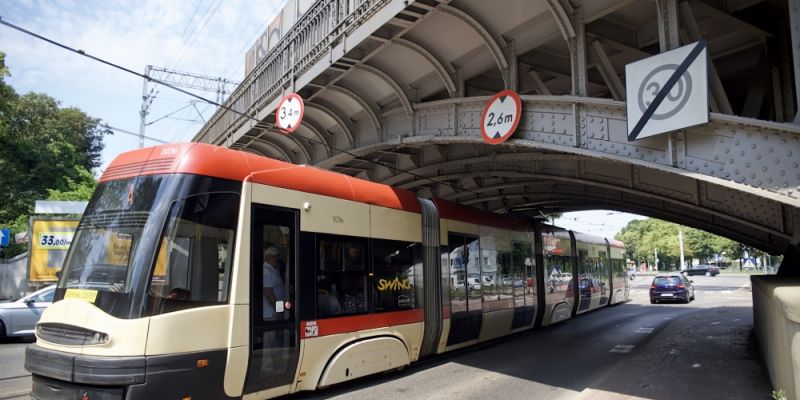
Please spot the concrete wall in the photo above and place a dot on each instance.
(13, 281)
(776, 308)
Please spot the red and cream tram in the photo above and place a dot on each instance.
(203, 272)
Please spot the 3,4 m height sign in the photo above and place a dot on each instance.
(289, 113)
(500, 117)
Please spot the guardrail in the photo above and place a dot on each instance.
(776, 318)
(320, 28)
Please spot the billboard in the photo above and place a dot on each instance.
(49, 241)
(281, 23)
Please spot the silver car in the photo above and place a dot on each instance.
(19, 317)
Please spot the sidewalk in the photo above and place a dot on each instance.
(709, 354)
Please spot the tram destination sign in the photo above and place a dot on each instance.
(500, 117)
(668, 91)
(289, 113)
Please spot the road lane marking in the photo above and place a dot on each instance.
(644, 330)
(622, 348)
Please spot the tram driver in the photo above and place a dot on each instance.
(274, 290)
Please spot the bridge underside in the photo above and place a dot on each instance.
(394, 92)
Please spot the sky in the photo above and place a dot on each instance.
(205, 37)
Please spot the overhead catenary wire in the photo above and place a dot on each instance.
(107, 126)
(150, 79)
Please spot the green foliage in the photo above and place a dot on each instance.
(643, 237)
(45, 152)
(77, 190)
(778, 394)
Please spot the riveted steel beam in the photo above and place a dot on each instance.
(398, 91)
(345, 127)
(493, 41)
(445, 71)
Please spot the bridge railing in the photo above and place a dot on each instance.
(319, 29)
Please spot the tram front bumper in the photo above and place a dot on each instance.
(60, 375)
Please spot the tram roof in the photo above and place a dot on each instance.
(224, 163)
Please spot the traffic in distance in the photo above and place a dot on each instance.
(203, 272)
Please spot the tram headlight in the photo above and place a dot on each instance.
(99, 338)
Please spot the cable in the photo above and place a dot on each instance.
(194, 37)
(168, 115)
(110, 64)
(250, 42)
(132, 133)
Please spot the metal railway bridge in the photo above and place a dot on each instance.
(394, 92)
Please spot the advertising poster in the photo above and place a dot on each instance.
(49, 242)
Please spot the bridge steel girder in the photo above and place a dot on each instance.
(346, 128)
(493, 41)
(444, 70)
(280, 142)
(310, 126)
(257, 146)
(398, 90)
(371, 112)
(737, 171)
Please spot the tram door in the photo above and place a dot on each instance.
(274, 342)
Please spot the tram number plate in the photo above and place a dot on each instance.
(312, 330)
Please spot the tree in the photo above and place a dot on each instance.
(45, 151)
(642, 237)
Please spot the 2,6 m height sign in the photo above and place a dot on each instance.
(500, 117)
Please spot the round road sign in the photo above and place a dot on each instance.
(500, 117)
(289, 112)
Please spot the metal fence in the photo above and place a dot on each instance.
(315, 33)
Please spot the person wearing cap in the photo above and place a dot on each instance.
(274, 289)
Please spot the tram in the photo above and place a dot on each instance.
(200, 272)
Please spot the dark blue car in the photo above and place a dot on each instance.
(702, 269)
(671, 288)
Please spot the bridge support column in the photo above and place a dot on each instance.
(790, 266)
(794, 27)
(668, 30)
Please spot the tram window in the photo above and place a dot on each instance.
(341, 277)
(557, 273)
(393, 281)
(522, 277)
(465, 282)
(192, 266)
(341, 255)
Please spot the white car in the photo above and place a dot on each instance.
(19, 317)
(474, 283)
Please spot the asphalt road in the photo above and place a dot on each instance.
(635, 350)
(15, 381)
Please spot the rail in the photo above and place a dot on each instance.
(324, 25)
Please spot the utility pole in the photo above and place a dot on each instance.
(220, 86)
(680, 241)
(655, 266)
(145, 106)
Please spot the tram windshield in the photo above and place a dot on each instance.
(152, 244)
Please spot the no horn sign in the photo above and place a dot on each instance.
(500, 117)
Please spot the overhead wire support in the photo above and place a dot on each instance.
(188, 80)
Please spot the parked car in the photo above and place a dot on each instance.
(19, 317)
(671, 288)
(513, 282)
(702, 269)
